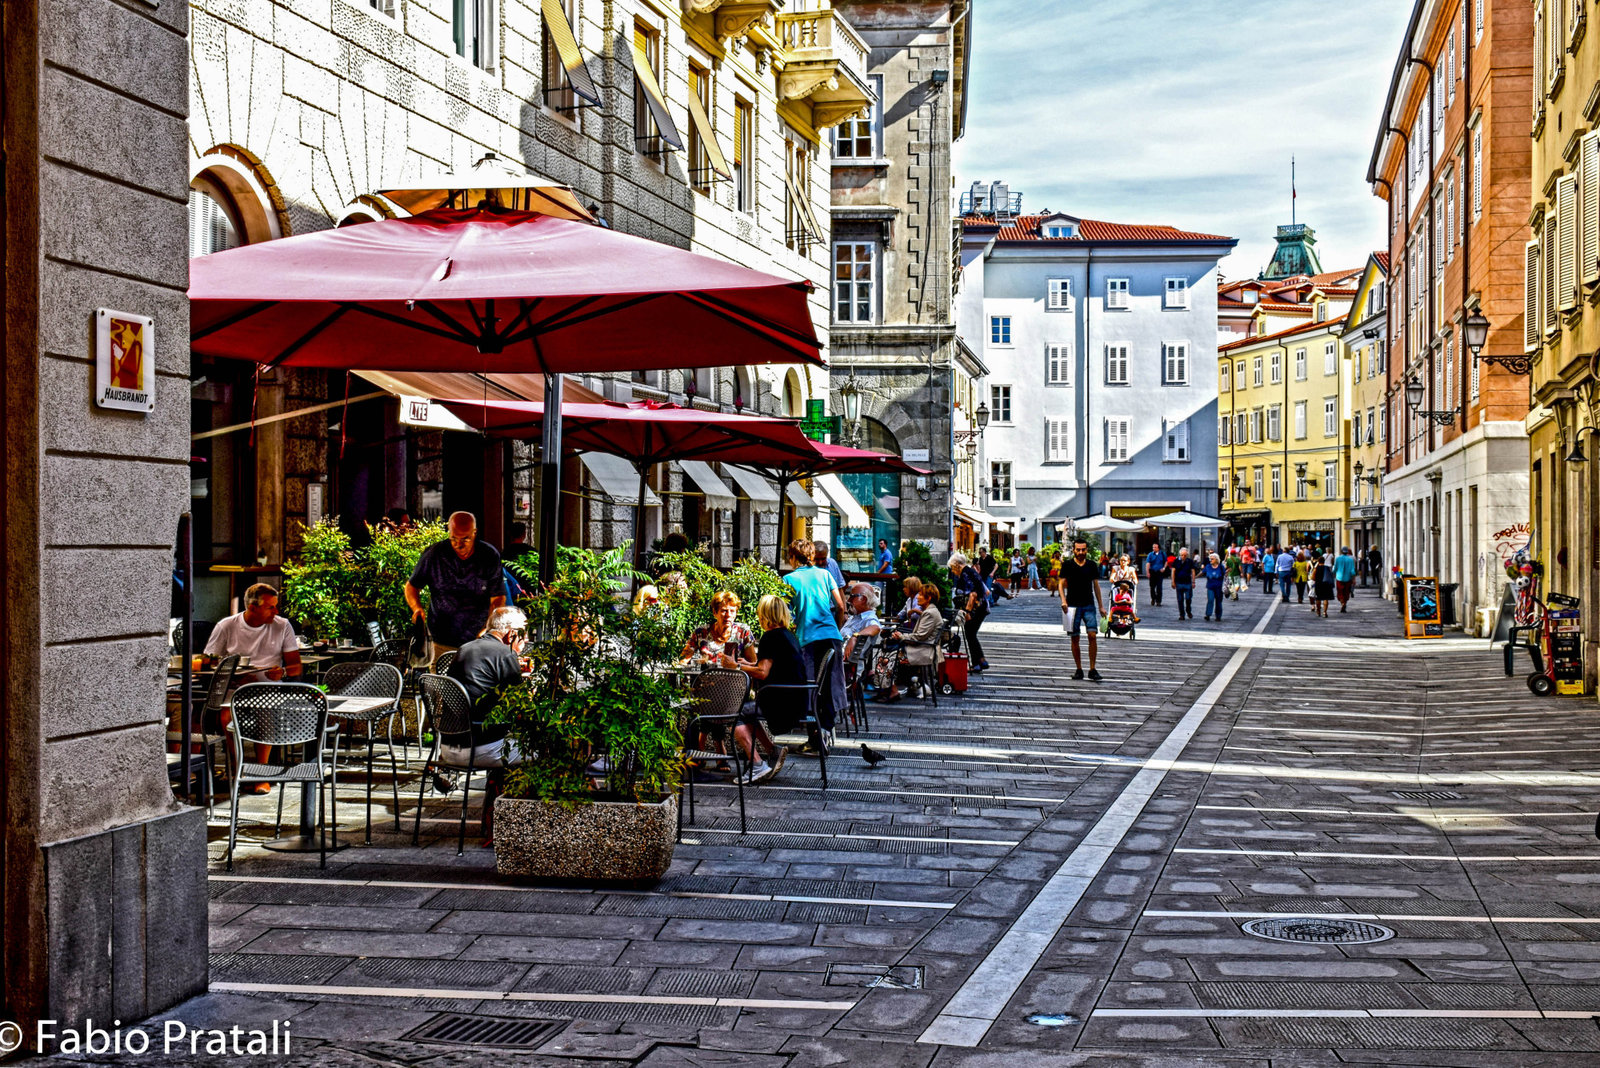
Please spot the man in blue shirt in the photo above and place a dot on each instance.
(816, 599)
(1155, 569)
(1344, 576)
(827, 563)
(1285, 564)
(885, 557)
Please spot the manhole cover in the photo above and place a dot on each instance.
(875, 976)
(1426, 795)
(459, 1029)
(1320, 929)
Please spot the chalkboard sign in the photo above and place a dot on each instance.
(1422, 608)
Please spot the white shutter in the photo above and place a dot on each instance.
(1116, 365)
(1530, 297)
(1183, 442)
(1550, 275)
(1058, 363)
(1538, 59)
(1477, 172)
(1116, 292)
(1058, 442)
(1567, 236)
(1060, 294)
(1451, 67)
(1589, 213)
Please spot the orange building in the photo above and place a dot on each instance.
(1451, 160)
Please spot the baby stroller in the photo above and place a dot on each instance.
(1121, 621)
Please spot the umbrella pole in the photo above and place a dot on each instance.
(638, 525)
(777, 552)
(550, 479)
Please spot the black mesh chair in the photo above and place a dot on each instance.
(449, 711)
(369, 680)
(206, 728)
(927, 674)
(393, 651)
(857, 673)
(813, 694)
(291, 717)
(719, 695)
(442, 662)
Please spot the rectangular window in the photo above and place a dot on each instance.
(473, 27)
(1300, 482)
(800, 226)
(1530, 294)
(861, 136)
(706, 160)
(1330, 358)
(1474, 379)
(1255, 371)
(1000, 481)
(1255, 483)
(567, 85)
(1275, 372)
(1275, 422)
(1224, 427)
(1299, 365)
(999, 329)
(1175, 443)
(1330, 417)
(1175, 363)
(1277, 481)
(1449, 374)
(1450, 219)
(1478, 23)
(1450, 67)
(1117, 293)
(1330, 479)
(1225, 484)
(1589, 209)
(1225, 378)
(854, 271)
(1257, 425)
(1299, 419)
(1059, 296)
(1000, 404)
(1058, 363)
(1057, 441)
(1238, 374)
(1177, 293)
(1117, 433)
(1372, 423)
(1117, 365)
(744, 155)
(654, 131)
(1241, 433)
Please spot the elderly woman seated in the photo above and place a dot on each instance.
(724, 634)
(922, 644)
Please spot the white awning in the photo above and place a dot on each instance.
(851, 514)
(805, 506)
(763, 494)
(975, 517)
(617, 478)
(718, 495)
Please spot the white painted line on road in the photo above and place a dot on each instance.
(1351, 1014)
(1309, 855)
(523, 995)
(969, 1014)
(766, 788)
(1386, 916)
(1403, 813)
(859, 837)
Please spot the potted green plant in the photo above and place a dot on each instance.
(596, 797)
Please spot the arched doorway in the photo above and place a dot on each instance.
(880, 496)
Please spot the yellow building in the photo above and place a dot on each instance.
(1561, 324)
(1282, 412)
(1366, 357)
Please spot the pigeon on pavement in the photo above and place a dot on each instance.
(872, 756)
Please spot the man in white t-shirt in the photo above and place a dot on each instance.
(266, 638)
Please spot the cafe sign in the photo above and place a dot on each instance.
(124, 361)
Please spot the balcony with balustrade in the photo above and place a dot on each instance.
(822, 61)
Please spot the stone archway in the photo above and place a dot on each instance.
(240, 184)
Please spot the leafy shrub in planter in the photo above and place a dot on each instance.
(591, 693)
(916, 561)
(688, 605)
(333, 588)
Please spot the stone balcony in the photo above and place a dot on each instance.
(734, 19)
(822, 61)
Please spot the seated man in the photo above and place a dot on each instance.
(484, 667)
(266, 639)
(862, 601)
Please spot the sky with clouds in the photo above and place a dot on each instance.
(1186, 112)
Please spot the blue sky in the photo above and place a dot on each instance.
(1186, 112)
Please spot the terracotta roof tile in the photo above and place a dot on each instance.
(1302, 328)
(1026, 228)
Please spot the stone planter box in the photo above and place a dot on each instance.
(606, 840)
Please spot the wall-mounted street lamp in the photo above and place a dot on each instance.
(970, 437)
(1475, 332)
(850, 399)
(1414, 392)
(1577, 455)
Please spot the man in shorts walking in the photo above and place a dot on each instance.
(1081, 605)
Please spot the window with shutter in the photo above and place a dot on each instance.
(1450, 219)
(1330, 417)
(1549, 279)
(1116, 365)
(1474, 364)
(1058, 441)
(1177, 293)
(1540, 85)
(1330, 358)
(1117, 433)
(1449, 374)
(1058, 360)
(1117, 293)
(1275, 371)
(1224, 425)
(1478, 22)
(1477, 173)
(1175, 363)
(1450, 66)
(1589, 210)
(1225, 377)
(210, 228)
(1255, 371)
(1277, 482)
(1175, 442)
(1299, 419)
(1224, 485)
(1255, 483)
(1241, 433)
(1567, 235)
(1257, 426)
(1530, 297)
(1299, 365)
(1059, 295)
(1330, 479)
(1275, 423)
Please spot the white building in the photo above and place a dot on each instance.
(1101, 343)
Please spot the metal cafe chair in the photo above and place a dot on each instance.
(206, 729)
(718, 696)
(369, 680)
(448, 711)
(813, 694)
(441, 663)
(392, 651)
(288, 716)
(858, 669)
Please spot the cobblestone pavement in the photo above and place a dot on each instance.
(1044, 872)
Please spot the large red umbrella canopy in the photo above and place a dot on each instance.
(487, 291)
(843, 460)
(647, 434)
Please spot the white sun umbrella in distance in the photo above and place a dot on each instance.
(1101, 523)
(1184, 519)
(494, 181)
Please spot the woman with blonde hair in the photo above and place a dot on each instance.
(1123, 571)
(777, 662)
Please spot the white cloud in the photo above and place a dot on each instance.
(1186, 112)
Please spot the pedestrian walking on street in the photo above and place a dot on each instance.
(1302, 574)
(1269, 569)
(1124, 572)
(1322, 584)
(1285, 573)
(1344, 577)
(1235, 568)
(1081, 605)
(1018, 569)
(1033, 570)
(1183, 570)
(969, 594)
(1155, 569)
(1215, 574)
(818, 606)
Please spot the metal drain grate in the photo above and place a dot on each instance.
(466, 974)
(875, 976)
(1426, 795)
(275, 967)
(811, 913)
(546, 901)
(1323, 930)
(1252, 995)
(1370, 1034)
(458, 1029)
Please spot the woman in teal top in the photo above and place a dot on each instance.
(817, 604)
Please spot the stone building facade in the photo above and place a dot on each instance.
(102, 874)
(894, 249)
(302, 113)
